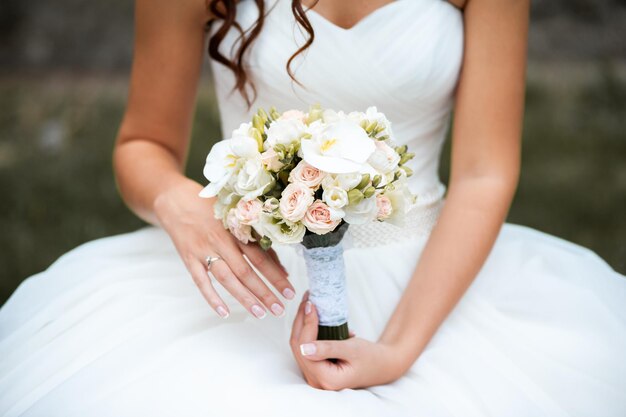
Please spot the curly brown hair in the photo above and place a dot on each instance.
(226, 12)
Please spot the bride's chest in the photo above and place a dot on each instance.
(409, 50)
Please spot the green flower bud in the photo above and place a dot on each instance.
(355, 196)
(315, 113)
(408, 171)
(377, 179)
(365, 180)
(254, 132)
(265, 243)
(371, 126)
(406, 158)
(401, 149)
(369, 191)
(382, 138)
(274, 114)
(258, 123)
(262, 115)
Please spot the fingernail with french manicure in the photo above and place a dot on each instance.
(222, 312)
(278, 310)
(288, 293)
(258, 311)
(307, 307)
(307, 349)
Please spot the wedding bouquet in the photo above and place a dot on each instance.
(303, 178)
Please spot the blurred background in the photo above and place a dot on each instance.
(64, 68)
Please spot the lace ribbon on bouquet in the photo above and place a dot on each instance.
(327, 283)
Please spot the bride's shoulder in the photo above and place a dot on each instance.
(459, 4)
(184, 11)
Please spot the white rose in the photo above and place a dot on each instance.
(384, 159)
(349, 181)
(321, 219)
(280, 230)
(294, 201)
(332, 116)
(252, 180)
(307, 175)
(244, 145)
(402, 200)
(335, 197)
(363, 212)
(242, 232)
(284, 132)
(339, 148)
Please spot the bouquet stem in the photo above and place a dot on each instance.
(327, 290)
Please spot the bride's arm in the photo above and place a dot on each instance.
(153, 138)
(484, 173)
(151, 150)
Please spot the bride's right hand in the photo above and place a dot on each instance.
(188, 219)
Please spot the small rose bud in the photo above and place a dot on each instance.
(258, 123)
(355, 196)
(406, 158)
(265, 243)
(365, 179)
(369, 191)
(254, 132)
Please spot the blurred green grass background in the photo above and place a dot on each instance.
(58, 190)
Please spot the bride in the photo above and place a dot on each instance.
(459, 314)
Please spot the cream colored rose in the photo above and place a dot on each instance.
(270, 160)
(384, 207)
(243, 232)
(293, 114)
(248, 211)
(307, 175)
(294, 201)
(320, 218)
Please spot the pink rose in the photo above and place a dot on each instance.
(242, 232)
(384, 207)
(247, 212)
(307, 175)
(320, 218)
(294, 201)
(293, 114)
(270, 160)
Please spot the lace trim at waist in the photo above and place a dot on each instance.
(419, 221)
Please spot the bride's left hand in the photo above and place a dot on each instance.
(360, 363)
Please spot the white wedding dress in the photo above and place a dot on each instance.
(116, 326)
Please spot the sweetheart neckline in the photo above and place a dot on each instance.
(361, 21)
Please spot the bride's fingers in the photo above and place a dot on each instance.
(249, 278)
(296, 327)
(231, 283)
(309, 326)
(270, 269)
(201, 278)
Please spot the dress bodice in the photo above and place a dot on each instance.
(404, 58)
